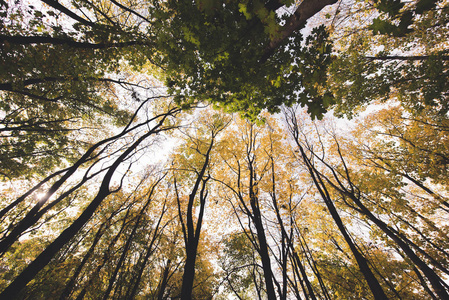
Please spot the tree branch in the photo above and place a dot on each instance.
(58, 6)
(25, 40)
(305, 10)
(398, 57)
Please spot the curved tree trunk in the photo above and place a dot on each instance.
(46, 256)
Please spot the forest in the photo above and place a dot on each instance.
(224, 149)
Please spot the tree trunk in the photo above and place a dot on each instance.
(164, 282)
(69, 287)
(46, 256)
(373, 283)
(192, 234)
(263, 250)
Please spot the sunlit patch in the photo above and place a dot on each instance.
(41, 197)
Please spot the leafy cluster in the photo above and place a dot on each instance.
(401, 55)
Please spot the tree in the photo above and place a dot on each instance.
(342, 179)
(248, 167)
(320, 185)
(247, 56)
(195, 159)
(239, 57)
(54, 90)
(104, 190)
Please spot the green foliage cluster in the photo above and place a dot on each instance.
(395, 13)
(214, 52)
(52, 88)
(395, 58)
(55, 75)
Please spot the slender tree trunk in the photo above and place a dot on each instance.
(400, 239)
(373, 283)
(45, 257)
(113, 277)
(314, 268)
(69, 287)
(304, 276)
(287, 243)
(192, 234)
(164, 281)
(434, 279)
(149, 251)
(130, 239)
(35, 213)
(256, 217)
(263, 250)
(189, 271)
(424, 284)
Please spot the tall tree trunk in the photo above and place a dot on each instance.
(192, 233)
(149, 251)
(402, 242)
(69, 287)
(288, 248)
(263, 248)
(130, 239)
(163, 285)
(189, 271)
(373, 283)
(45, 257)
(36, 213)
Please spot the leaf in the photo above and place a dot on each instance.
(425, 5)
(243, 9)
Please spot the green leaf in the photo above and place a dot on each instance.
(425, 5)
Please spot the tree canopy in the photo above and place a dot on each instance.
(219, 149)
